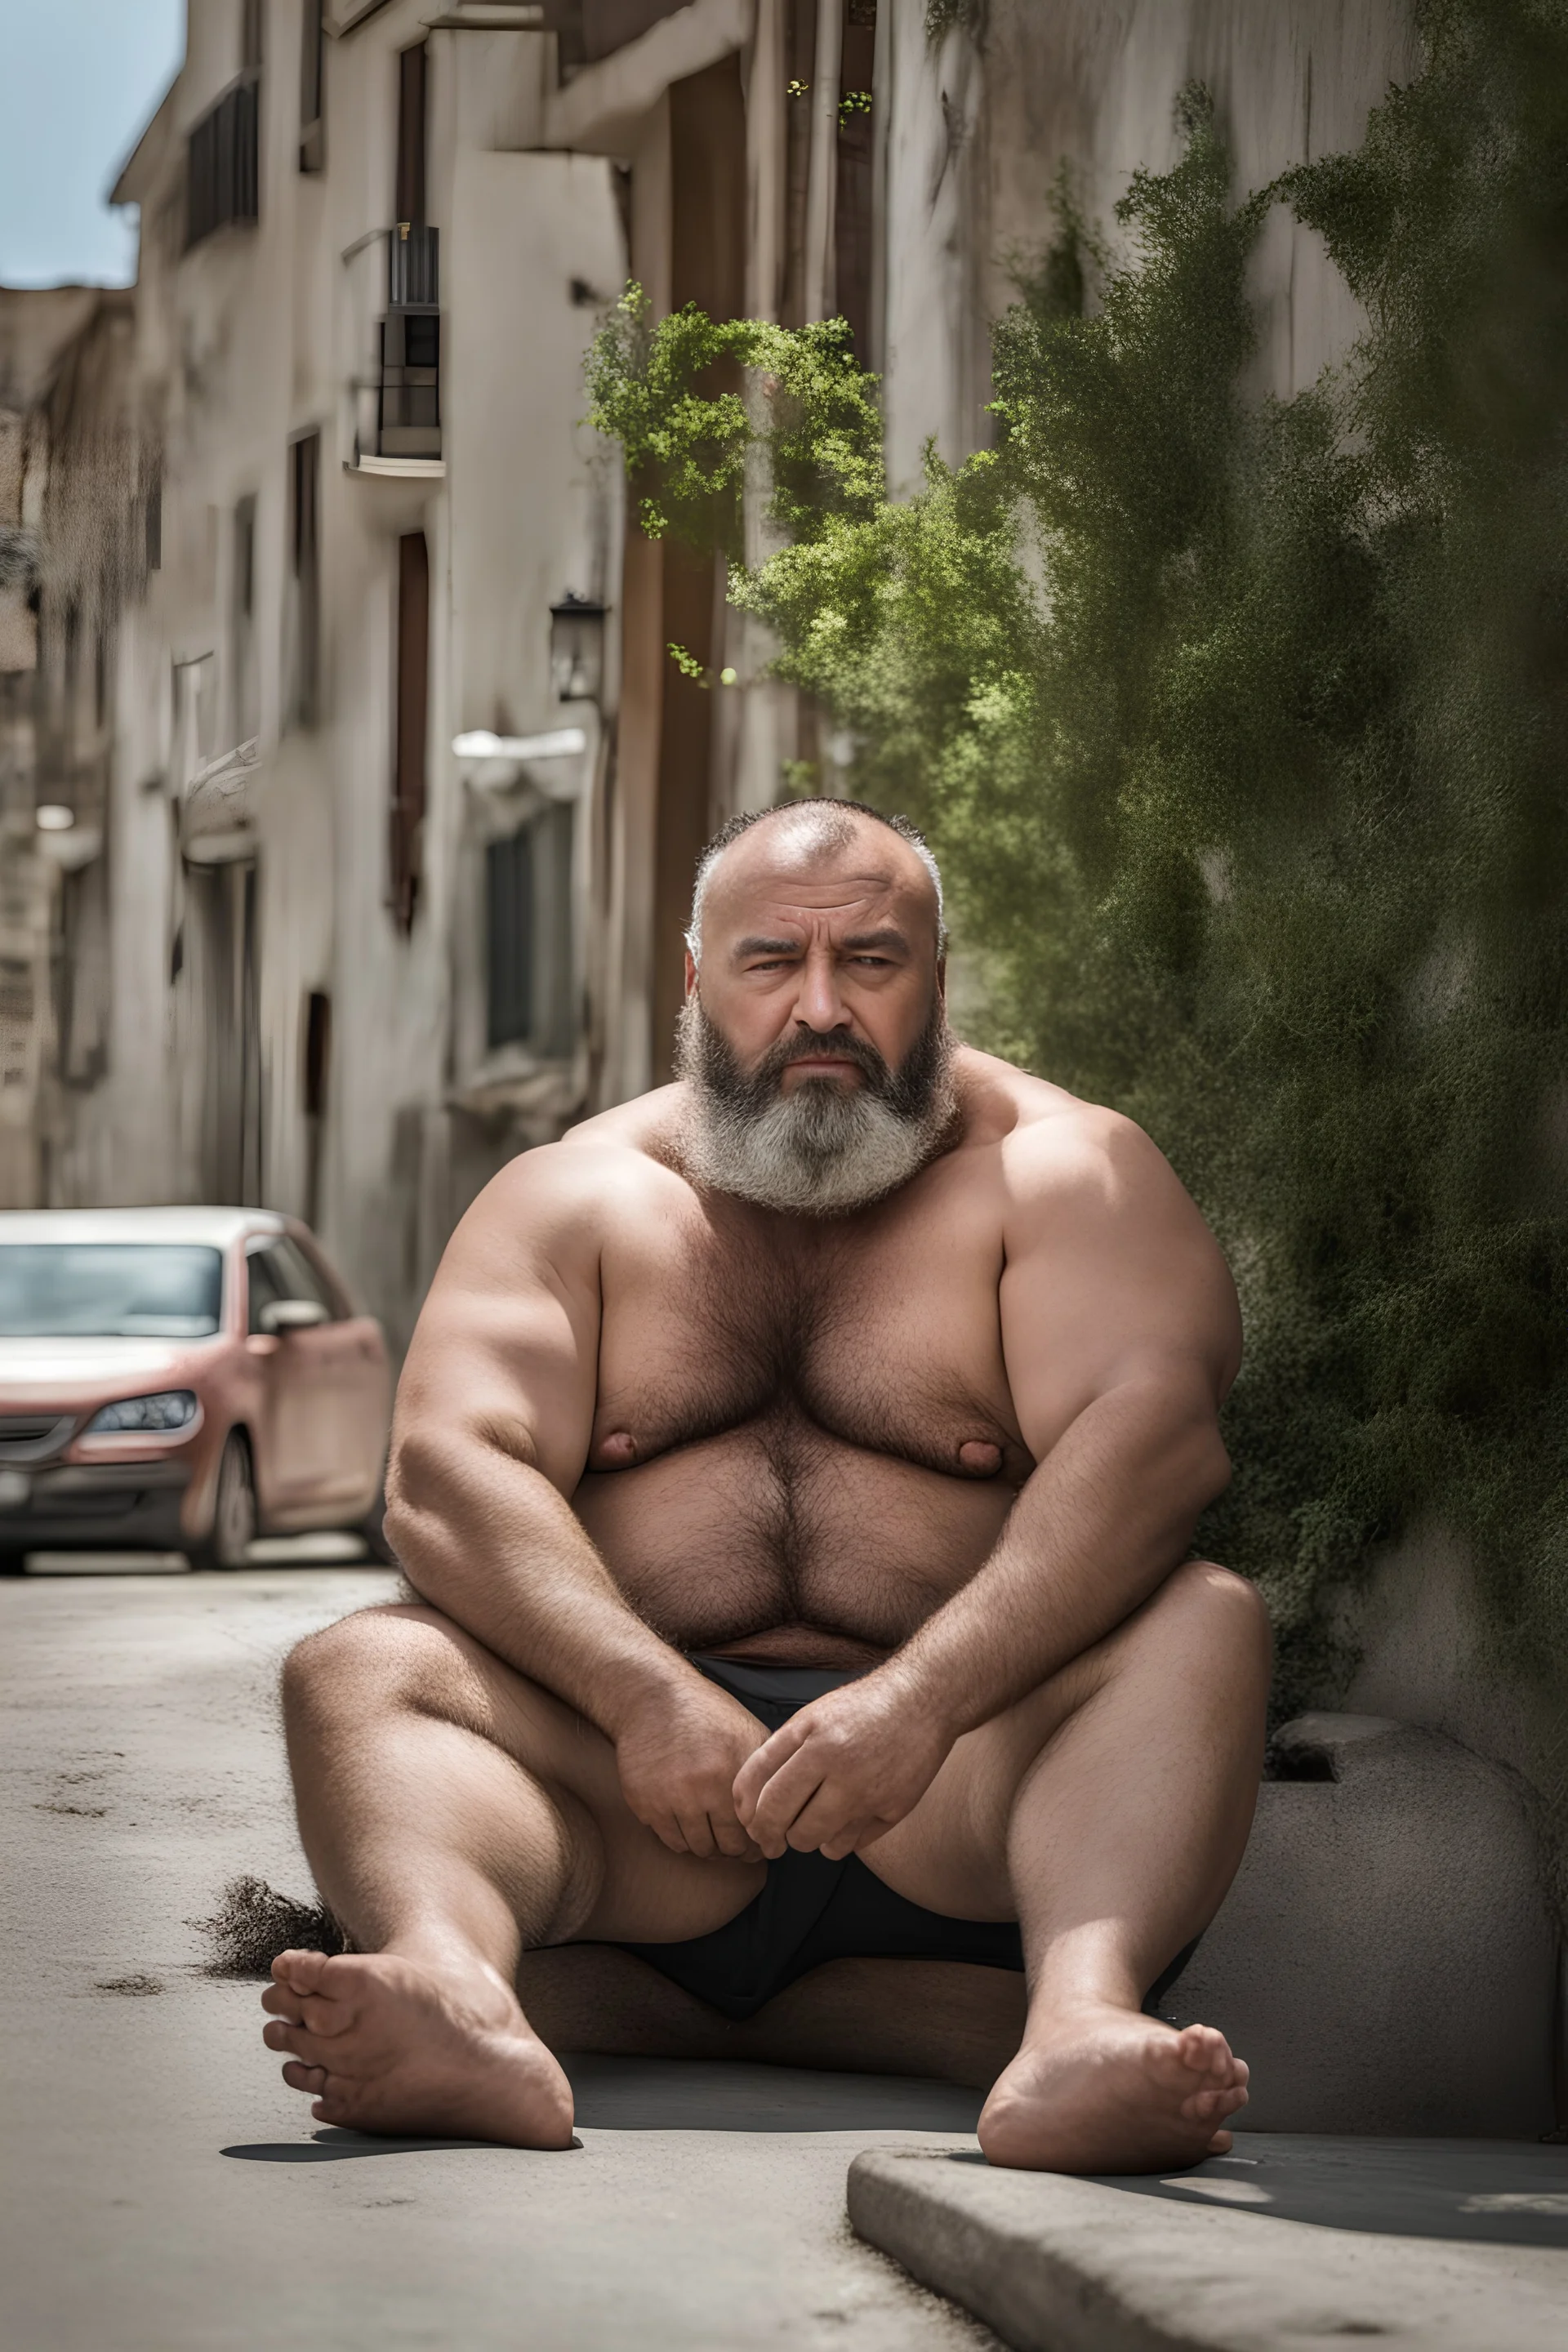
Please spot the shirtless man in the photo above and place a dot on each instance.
(798, 1467)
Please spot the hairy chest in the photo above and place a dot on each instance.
(883, 1336)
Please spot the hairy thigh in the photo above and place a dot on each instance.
(1192, 1663)
(406, 1663)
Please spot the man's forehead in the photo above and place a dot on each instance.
(808, 881)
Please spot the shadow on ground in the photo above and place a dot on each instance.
(691, 2095)
(1501, 2192)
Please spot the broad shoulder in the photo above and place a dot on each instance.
(1106, 1253)
(1075, 1176)
(1053, 1147)
(559, 1201)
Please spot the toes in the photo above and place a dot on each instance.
(301, 2077)
(297, 2040)
(282, 2000)
(1209, 2107)
(333, 2107)
(1221, 2144)
(302, 1971)
(1205, 2050)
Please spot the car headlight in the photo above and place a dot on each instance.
(170, 1408)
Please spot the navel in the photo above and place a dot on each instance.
(616, 1452)
(980, 1457)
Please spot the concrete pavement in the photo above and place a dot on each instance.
(162, 2189)
(1434, 2246)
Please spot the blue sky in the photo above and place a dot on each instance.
(81, 79)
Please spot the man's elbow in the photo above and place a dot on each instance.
(419, 1491)
(1209, 1464)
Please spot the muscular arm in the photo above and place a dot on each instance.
(1121, 1334)
(494, 1418)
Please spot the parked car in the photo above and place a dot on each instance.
(181, 1379)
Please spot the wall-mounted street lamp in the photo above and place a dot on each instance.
(576, 648)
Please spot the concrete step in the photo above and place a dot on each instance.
(1291, 2241)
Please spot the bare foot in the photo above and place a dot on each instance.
(388, 2045)
(1109, 2090)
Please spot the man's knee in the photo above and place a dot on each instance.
(1220, 1607)
(400, 1655)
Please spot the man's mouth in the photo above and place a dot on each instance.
(821, 1066)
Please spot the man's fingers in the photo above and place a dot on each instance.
(825, 1822)
(732, 1841)
(764, 1761)
(786, 1795)
(697, 1831)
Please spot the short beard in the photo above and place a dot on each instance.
(821, 1150)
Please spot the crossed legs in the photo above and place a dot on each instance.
(458, 1816)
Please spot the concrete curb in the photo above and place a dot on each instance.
(1055, 2264)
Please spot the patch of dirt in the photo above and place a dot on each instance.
(83, 1813)
(253, 1923)
(137, 1987)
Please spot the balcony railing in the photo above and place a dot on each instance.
(408, 415)
(222, 181)
(413, 266)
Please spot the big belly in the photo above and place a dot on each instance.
(813, 1553)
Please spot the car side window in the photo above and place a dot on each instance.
(267, 1280)
(302, 1280)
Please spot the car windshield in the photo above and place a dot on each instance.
(108, 1290)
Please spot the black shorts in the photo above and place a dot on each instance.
(810, 1909)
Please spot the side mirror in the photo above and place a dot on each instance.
(285, 1314)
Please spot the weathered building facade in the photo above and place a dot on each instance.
(370, 796)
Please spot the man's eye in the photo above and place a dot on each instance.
(876, 963)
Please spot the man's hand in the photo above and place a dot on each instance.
(678, 1757)
(841, 1771)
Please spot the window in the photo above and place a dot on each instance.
(528, 935)
(800, 57)
(413, 83)
(412, 724)
(278, 1270)
(852, 219)
(318, 1052)
(304, 583)
(315, 1064)
(108, 1290)
(221, 164)
(312, 89)
(245, 716)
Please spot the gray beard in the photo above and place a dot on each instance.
(819, 1151)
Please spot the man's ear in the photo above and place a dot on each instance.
(941, 976)
(690, 974)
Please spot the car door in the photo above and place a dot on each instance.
(301, 1441)
(363, 1399)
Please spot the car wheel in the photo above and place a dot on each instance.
(234, 1509)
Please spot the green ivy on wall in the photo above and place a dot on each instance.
(1241, 730)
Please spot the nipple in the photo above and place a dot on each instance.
(618, 1450)
(979, 1458)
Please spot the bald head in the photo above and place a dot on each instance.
(817, 841)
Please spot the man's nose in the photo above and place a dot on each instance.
(820, 1004)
